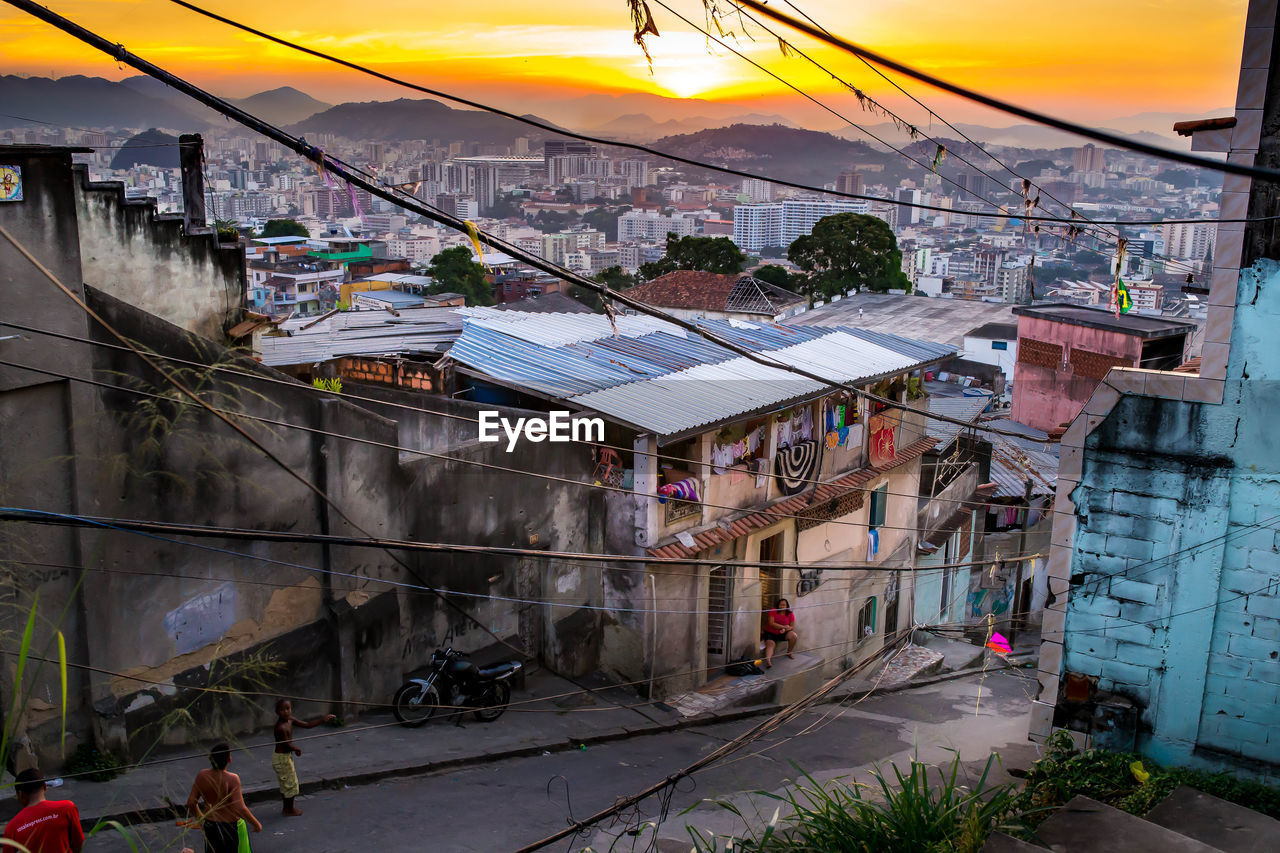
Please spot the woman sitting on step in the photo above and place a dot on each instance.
(779, 625)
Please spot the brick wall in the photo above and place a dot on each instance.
(399, 374)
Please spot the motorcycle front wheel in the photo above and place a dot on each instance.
(494, 702)
(413, 704)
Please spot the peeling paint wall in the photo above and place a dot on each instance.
(1175, 584)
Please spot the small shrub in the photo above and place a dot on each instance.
(87, 762)
(905, 813)
(1065, 771)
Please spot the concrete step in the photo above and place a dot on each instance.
(1226, 826)
(998, 842)
(1085, 825)
(787, 681)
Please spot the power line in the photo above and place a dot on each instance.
(646, 149)
(346, 173)
(769, 510)
(348, 395)
(34, 516)
(1039, 189)
(822, 105)
(1269, 175)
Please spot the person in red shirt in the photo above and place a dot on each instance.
(779, 625)
(43, 826)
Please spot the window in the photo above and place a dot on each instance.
(879, 498)
(867, 620)
(1000, 345)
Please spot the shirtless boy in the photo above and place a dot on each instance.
(282, 759)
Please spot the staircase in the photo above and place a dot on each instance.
(1187, 821)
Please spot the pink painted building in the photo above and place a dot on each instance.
(1064, 351)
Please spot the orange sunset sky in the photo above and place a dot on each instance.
(1087, 59)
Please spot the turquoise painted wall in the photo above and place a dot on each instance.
(1175, 578)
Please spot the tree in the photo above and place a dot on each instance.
(709, 254)
(455, 272)
(776, 275)
(615, 277)
(284, 228)
(849, 250)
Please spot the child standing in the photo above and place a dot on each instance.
(282, 758)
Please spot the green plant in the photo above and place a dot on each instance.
(333, 384)
(915, 388)
(88, 762)
(1108, 777)
(906, 813)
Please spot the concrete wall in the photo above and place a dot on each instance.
(1165, 529)
(162, 616)
(148, 261)
(1046, 396)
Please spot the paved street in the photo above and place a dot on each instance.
(499, 806)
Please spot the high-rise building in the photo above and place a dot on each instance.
(1089, 158)
(1189, 240)
(756, 226)
(757, 190)
(1011, 282)
(850, 181)
(908, 215)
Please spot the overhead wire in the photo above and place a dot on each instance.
(646, 149)
(661, 499)
(1114, 140)
(335, 167)
(349, 395)
(1040, 190)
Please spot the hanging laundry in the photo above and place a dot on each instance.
(796, 466)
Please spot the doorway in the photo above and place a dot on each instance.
(770, 576)
(719, 616)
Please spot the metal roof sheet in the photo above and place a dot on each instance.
(657, 377)
(964, 408)
(1010, 470)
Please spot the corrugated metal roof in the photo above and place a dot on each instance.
(964, 408)
(430, 330)
(1011, 468)
(656, 376)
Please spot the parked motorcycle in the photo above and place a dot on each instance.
(455, 683)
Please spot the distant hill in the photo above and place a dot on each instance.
(285, 105)
(642, 127)
(1036, 137)
(79, 101)
(415, 119)
(807, 156)
(152, 148)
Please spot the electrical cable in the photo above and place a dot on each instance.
(559, 131)
(299, 146)
(348, 395)
(1268, 175)
(33, 516)
(1039, 189)
(779, 516)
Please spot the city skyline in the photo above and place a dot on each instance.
(509, 52)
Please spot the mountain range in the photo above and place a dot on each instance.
(142, 102)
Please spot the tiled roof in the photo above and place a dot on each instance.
(725, 531)
(707, 291)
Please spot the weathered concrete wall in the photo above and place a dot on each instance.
(1045, 397)
(148, 261)
(1167, 529)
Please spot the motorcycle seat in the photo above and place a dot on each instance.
(498, 670)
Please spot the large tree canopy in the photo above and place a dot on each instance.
(776, 275)
(284, 228)
(709, 254)
(455, 272)
(849, 250)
